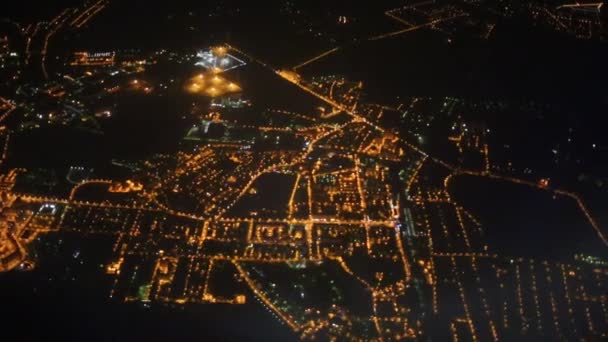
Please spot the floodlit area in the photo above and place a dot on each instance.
(218, 59)
(210, 84)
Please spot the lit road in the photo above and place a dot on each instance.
(414, 28)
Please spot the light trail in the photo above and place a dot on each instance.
(414, 28)
(5, 149)
(98, 9)
(28, 44)
(556, 18)
(263, 298)
(56, 24)
(7, 113)
(592, 5)
(85, 183)
(404, 261)
(357, 118)
(293, 194)
(389, 14)
(251, 58)
(83, 17)
(414, 5)
(316, 58)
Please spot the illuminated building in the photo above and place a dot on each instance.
(93, 59)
